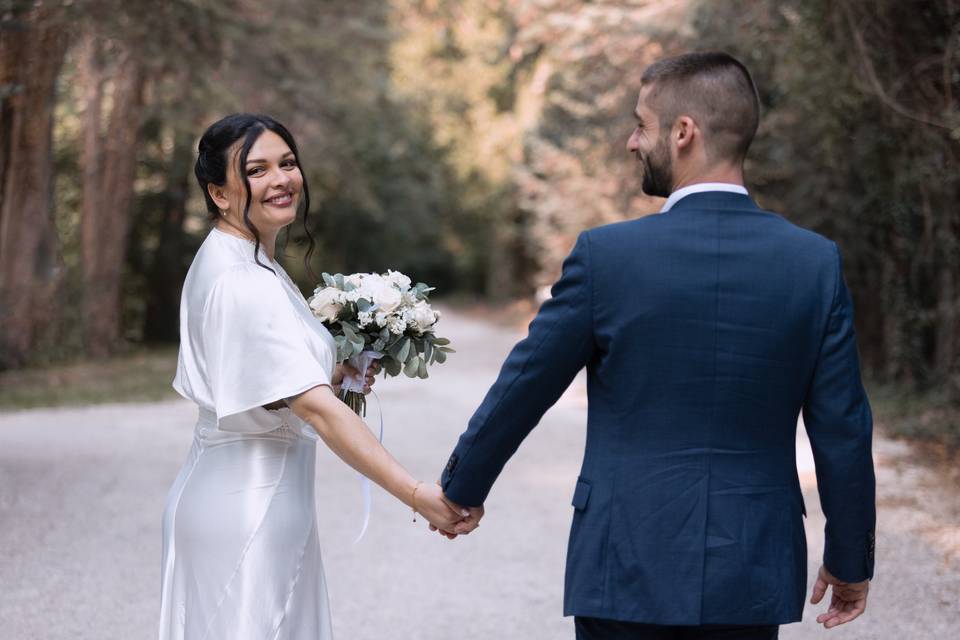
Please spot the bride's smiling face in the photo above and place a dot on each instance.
(275, 185)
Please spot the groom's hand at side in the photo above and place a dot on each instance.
(848, 600)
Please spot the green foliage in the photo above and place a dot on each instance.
(858, 143)
(468, 142)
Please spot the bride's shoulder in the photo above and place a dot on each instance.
(245, 285)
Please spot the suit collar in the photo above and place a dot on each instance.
(713, 200)
(701, 187)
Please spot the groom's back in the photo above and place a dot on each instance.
(712, 313)
(707, 324)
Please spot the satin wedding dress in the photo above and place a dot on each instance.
(241, 557)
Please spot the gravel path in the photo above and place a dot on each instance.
(82, 491)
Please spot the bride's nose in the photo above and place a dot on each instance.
(279, 178)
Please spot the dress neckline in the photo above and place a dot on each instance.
(246, 241)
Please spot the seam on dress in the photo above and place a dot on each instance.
(296, 580)
(243, 554)
(171, 556)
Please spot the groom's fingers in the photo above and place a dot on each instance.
(819, 589)
(820, 586)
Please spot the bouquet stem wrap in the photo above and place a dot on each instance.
(351, 388)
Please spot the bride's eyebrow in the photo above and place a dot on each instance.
(288, 154)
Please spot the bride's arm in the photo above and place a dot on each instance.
(342, 369)
(348, 437)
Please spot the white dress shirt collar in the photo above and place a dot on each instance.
(700, 188)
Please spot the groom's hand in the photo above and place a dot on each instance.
(848, 600)
(467, 524)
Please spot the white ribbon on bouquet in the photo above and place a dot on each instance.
(356, 383)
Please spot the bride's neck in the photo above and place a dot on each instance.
(268, 241)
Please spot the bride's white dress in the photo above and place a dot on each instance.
(241, 556)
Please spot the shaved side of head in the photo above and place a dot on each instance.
(713, 88)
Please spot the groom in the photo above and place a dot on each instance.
(704, 330)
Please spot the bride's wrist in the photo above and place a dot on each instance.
(413, 499)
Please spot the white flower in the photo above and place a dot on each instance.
(381, 292)
(396, 325)
(327, 303)
(397, 279)
(380, 319)
(353, 296)
(364, 318)
(422, 316)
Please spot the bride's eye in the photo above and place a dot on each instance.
(254, 170)
(289, 163)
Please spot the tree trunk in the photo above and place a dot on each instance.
(108, 196)
(30, 269)
(169, 268)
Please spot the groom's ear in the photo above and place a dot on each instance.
(684, 131)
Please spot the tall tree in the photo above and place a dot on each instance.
(109, 159)
(29, 264)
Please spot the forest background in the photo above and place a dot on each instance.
(465, 143)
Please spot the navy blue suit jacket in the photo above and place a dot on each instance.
(704, 330)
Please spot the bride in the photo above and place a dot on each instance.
(241, 556)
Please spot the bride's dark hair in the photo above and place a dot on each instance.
(213, 164)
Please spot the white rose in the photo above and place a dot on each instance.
(327, 303)
(381, 293)
(423, 317)
(399, 280)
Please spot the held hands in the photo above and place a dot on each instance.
(448, 518)
(465, 526)
(848, 600)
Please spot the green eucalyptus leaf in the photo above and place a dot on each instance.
(392, 366)
(404, 351)
(412, 368)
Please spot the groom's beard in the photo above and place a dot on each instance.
(658, 172)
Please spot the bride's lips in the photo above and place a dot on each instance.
(281, 200)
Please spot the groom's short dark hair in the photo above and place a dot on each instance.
(713, 88)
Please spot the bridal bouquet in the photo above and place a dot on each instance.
(381, 317)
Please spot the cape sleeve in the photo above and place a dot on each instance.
(255, 344)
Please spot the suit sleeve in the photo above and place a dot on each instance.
(535, 374)
(837, 416)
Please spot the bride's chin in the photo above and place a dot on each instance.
(279, 218)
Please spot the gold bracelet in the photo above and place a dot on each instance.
(413, 500)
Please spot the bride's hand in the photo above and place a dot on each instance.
(430, 503)
(344, 369)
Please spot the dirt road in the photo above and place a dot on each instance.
(82, 491)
